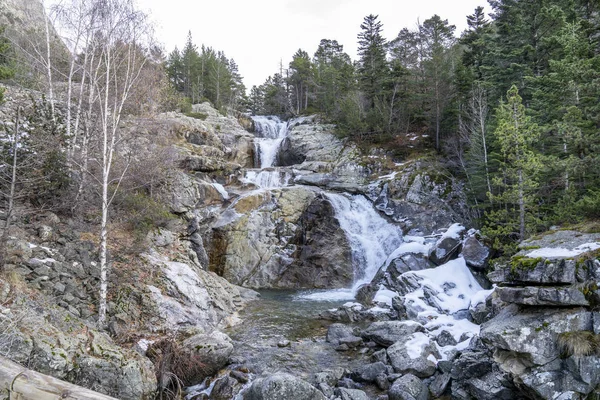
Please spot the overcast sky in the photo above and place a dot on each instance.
(257, 34)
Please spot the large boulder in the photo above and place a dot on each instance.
(213, 349)
(251, 242)
(194, 297)
(386, 333)
(532, 334)
(282, 387)
(414, 354)
(475, 253)
(408, 387)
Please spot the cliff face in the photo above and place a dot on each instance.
(22, 16)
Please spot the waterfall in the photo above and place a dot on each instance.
(268, 178)
(370, 236)
(270, 132)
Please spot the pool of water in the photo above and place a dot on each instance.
(283, 315)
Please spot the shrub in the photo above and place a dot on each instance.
(174, 367)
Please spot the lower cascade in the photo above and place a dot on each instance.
(371, 237)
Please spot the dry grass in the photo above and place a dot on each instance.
(579, 344)
(175, 367)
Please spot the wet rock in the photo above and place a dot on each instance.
(414, 354)
(543, 296)
(386, 333)
(408, 387)
(476, 254)
(369, 372)
(225, 389)
(240, 376)
(284, 343)
(282, 387)
(324, 257)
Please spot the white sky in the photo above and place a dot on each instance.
(257, 34)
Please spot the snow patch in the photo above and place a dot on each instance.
(559, 252)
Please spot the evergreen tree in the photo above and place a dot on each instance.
(372, 66)
(438, 36)
(334, 76)
(516, 183)
(301, 77)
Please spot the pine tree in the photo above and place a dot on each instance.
(439, 38)
(516, 182)
(372, 66)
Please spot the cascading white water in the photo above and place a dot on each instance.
(269, 178)
(270, 132)
(371, 237)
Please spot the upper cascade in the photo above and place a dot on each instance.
(270, 132)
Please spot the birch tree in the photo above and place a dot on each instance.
(120, 39)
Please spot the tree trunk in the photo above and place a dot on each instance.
(23, 384)
(11, 196)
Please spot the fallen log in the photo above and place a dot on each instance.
(20, 383)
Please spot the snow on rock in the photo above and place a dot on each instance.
(560, 252)
(384, 295)
(406, 248)
(454, 232)
(447, 288)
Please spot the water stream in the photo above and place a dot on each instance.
(281, 316)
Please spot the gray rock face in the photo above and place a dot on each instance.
(282, 387)
(386, 333)
(196, 298)
(324, 257)
(533, 333)
(252, 241)
(543, 296)
(408, 387)
(557, 272)
(413, 354)
(476, 255)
